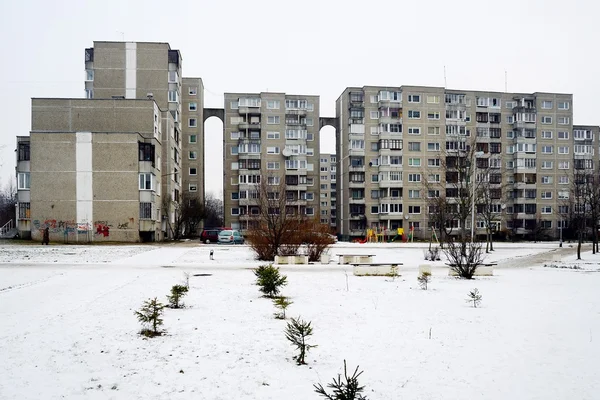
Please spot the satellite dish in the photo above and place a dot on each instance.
(286, 152)
(406, 217)
(503, 206)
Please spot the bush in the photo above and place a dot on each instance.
(464, 257)
(424, 279)
(177, 292)
(281, 303)
(432, 254)
(348, 390)
(269, 280)
(297, 331)
(150, 316)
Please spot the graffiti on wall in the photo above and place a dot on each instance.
(70, 227)
(102, 228)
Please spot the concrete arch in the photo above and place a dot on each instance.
(328, 121)
(214, 112)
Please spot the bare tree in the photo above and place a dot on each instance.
(8, 201)
(276, 221)
(213, 211)
(489, 198)
(187, 215)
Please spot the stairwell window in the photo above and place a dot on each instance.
(23, 182)
(146, 181)
(173, 96)
(24, 210)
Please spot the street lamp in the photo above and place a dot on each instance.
(475, 154)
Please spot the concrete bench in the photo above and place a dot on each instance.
(375, 269)
(356, 258)
(482, 270)
(284, 260)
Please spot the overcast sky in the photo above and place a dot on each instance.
(305, 47)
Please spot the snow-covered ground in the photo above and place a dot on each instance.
(67, 328)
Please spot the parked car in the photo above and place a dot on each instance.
(210, 235)
(231, 236)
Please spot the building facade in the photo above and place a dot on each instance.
(270, 136)
(394, 140)
(328, 190)
(136, 153)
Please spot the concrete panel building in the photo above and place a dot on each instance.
(393, 139)
(328, 190)
(270, 136)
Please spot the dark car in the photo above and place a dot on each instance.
(210, 235)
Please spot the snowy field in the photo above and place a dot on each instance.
(67, 328)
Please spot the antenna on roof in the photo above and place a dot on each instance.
(122, 35)
(445, 83)
(505, 81)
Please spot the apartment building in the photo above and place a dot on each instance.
(272, 136)
(328, 191)
(132, 158)
(394, 139)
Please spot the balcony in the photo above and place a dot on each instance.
(249, 126)
(390, 120)
(359, 185)
(391, 184)
(356, 152)
(357, 216)
(389, 103)
(357, 168)
(295, 202)
(300, 187)
(299, 112)
(245, 110)
(353, 121)
(457, 122)
(524, 125)
(356, 200)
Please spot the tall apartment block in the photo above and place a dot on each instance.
(393, 139)
(116, 164)
(328, 192)
(270, 136)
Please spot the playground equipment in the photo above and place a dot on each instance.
(382, 235)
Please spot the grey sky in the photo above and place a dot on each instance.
(306, 47)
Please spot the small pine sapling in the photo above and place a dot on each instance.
(475, 297)
(393, 272)
(297, 332)
(424, 279)
(281, 303)
(150, 316)
(348, 390)
(270, 280)
(177, 293)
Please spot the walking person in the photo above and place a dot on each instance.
(46, 236)
(212, 252)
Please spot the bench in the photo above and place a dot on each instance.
(375, 269)
(356, 258)
(284, 260)
(484, 269)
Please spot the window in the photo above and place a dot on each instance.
(146, 152)
(193, 91)
(433, 162)
(563, 149)
(434, 177)
(433, 146)
(193, 106)
(193, 138)
(414, 177)
(414, 98)
(414, 194)
(374, 114)
(145, 210)
(564, 120)
(192, 123)
(273, 165)
(582, 134)
(433, 130)
(273, 135)
(146, 181)
(273, 104)
(563, 105)
(546, 180)
(414, 146)
(510, 119)
(546, 195)
(547, 164)
(511, 104)
(414, 114)
(546, 135)
(433, 115)
(563, 165)
(89, 75)
(23, 181)
(273, 119)
(563, 180)
(546, 210)
(193, 171)
(563, 135)
(173, 96)
(172, 76)
(414, 162)
(89, 94)
(546, 149)
(193, 155)
(414, 209)
(547, 105)
(546, 119)
(414, 131)
(433, 99)
(193, 187)
(272, 150)
(563, 195)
